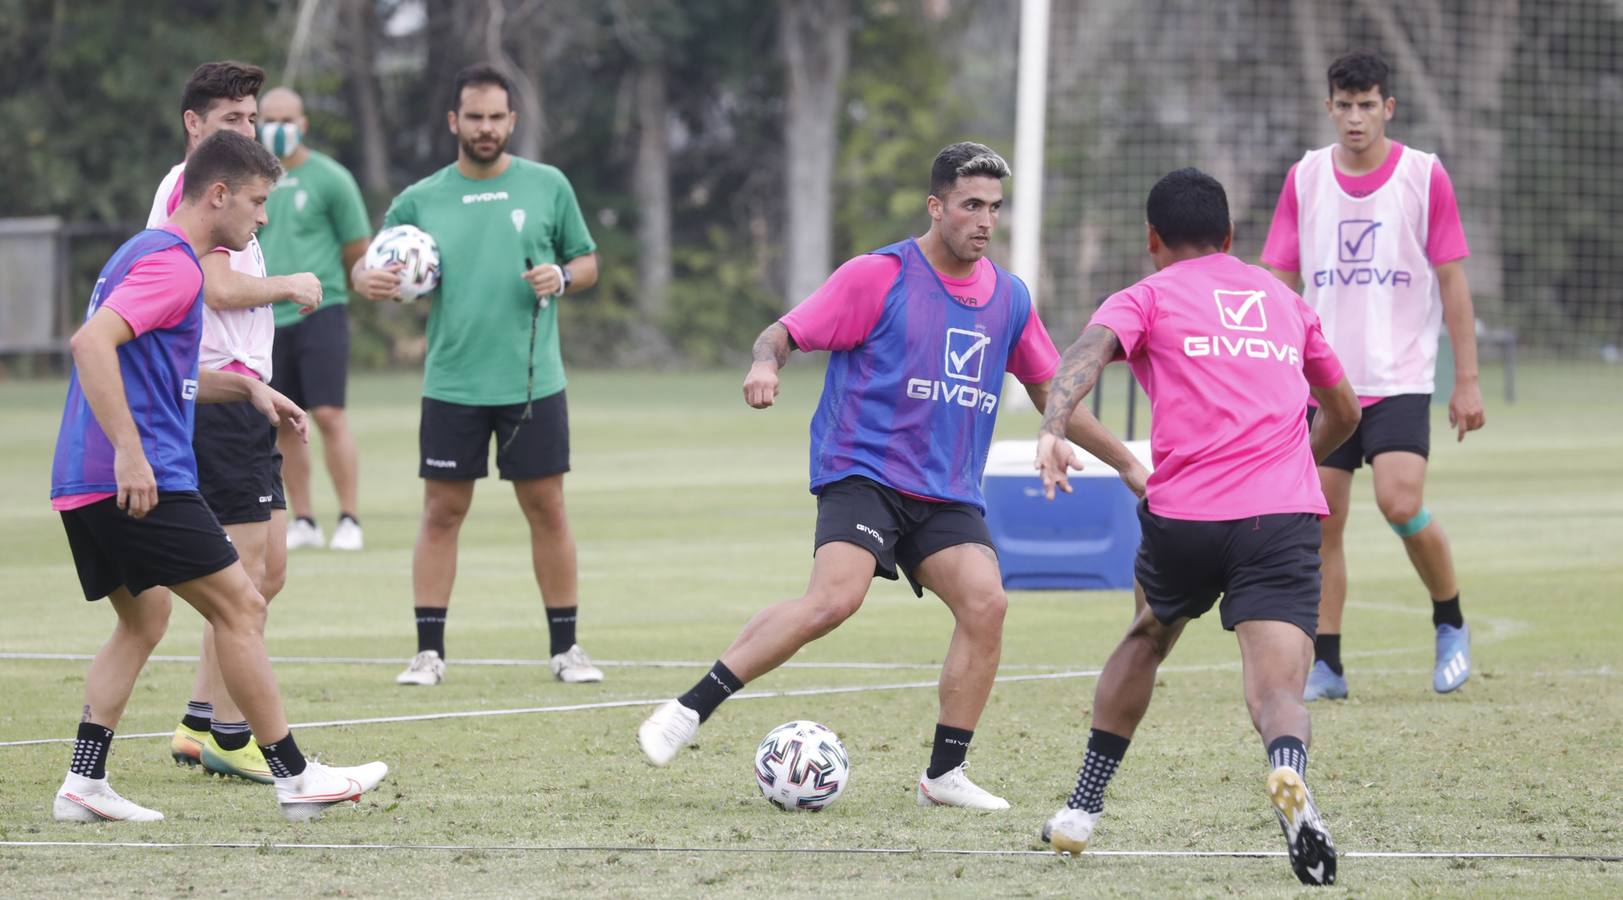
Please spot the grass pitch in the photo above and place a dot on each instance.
(691, 512)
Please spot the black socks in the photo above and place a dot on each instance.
(1105, 752)
(561, 628)
(431, 629)
(1327, 649)
(1288, 751)
(717, 685)
(198, 715)
(283, 757)
(90, 751)
(231, 735)
(1447, 612)
(951, 744)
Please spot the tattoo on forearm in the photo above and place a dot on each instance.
(85, 716)
(773, 345)
(1078, 372)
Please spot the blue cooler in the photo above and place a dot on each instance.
(1084, 540)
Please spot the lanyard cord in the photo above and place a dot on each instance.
(529, 381)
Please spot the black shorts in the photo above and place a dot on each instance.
(895, 528)
(239, 469)
(177, 541)
(310, 360)
(1394, 423)
(1265, 567)
(455, 440)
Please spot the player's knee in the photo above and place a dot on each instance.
(443, 518)
(272, 583)
(149, 628)
(1407, 518)
(1399, 507)
(828, 608)
(243, 613)
(985, 607)
(328, 418)
(546, 513)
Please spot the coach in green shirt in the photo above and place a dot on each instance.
(317, 223)
(512, 240)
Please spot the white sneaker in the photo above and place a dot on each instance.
(426, 669)
(301, 533)
(954, 788)
(347, 536)
(668, 730)
(1069, 830)
(573, 666)
(305, 795)
(82, 799)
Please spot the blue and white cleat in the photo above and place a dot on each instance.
(1324, 684)
(1453, 658)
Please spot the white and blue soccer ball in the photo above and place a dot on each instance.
(801, 765)
(415, 249)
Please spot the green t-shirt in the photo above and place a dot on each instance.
(479, 325)
(314, 211)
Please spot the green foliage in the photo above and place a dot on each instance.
(720, 300)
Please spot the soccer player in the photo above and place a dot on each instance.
(1369, 230)
(921, 334)
(317, 222)
(1228, 355)
(125, 481)
(511, 240)
(238, 468)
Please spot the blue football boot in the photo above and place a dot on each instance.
(1453, 658)
(1324, 684)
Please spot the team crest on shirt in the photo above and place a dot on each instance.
(299, 199)
(518, 220)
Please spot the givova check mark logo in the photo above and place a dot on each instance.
(966, 354)
(1355, 240)
(1241, 310)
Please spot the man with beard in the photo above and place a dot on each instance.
(511, 240)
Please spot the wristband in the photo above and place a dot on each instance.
(563, 279)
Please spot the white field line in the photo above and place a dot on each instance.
(798, 851)
(609, 704)
(602, 663)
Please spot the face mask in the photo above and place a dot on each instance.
(280, 138)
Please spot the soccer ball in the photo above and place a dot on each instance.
(801, 765)
(415, 248)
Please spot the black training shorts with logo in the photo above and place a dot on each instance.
(239, 469)
(310, 359)
(177, 541)
(454, 440)
(1401, 423)
(1264, 567)
(897, 529)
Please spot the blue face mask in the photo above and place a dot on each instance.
(280, 138)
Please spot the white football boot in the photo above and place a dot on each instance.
(954, 788)
(301, 534)
(668, 730)
(82, 799)
(347, 536)
(426, 669)
(304, 796)
(1070, 829)
(573, 666)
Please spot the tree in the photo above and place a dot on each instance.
(814, 39)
